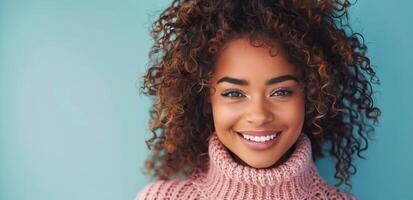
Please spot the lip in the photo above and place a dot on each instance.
(260, 146)
(259, 133)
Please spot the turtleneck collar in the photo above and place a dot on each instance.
(291, 179)
(297, 163)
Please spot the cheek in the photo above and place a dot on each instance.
(225, 115)
(294, 113)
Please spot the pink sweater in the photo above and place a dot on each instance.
(297, 178)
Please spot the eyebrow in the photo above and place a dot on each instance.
(269, 82)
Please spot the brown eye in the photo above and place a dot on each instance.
(282, 93)
(232, 94)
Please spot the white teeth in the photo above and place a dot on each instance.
(260, 138)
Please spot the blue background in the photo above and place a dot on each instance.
(72, 123)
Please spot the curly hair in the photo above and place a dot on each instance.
(318, 40)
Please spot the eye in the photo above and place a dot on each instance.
(232, 94)
(282, 93)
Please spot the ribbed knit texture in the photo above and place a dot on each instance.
(296, 178)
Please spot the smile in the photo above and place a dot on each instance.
(263, 138)
(260, 143)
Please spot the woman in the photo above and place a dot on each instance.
(247, 93)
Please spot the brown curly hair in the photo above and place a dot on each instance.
(318, 40)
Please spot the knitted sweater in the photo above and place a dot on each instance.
(296, 178)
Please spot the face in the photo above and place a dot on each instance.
(256, 96)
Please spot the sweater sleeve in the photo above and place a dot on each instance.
(174, 189)
(144, 193)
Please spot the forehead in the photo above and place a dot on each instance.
(240, 59)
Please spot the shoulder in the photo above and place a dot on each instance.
(336, 193)
(331, 192)
(327, 191)
(173, 189)
(321, 188)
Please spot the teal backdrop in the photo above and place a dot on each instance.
(73, 125)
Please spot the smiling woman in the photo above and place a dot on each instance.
(247, 94)
(255, 105)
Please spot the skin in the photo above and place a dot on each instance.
(256, 106)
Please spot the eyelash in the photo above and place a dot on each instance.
(232, 91)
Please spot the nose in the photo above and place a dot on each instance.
(259, 112)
